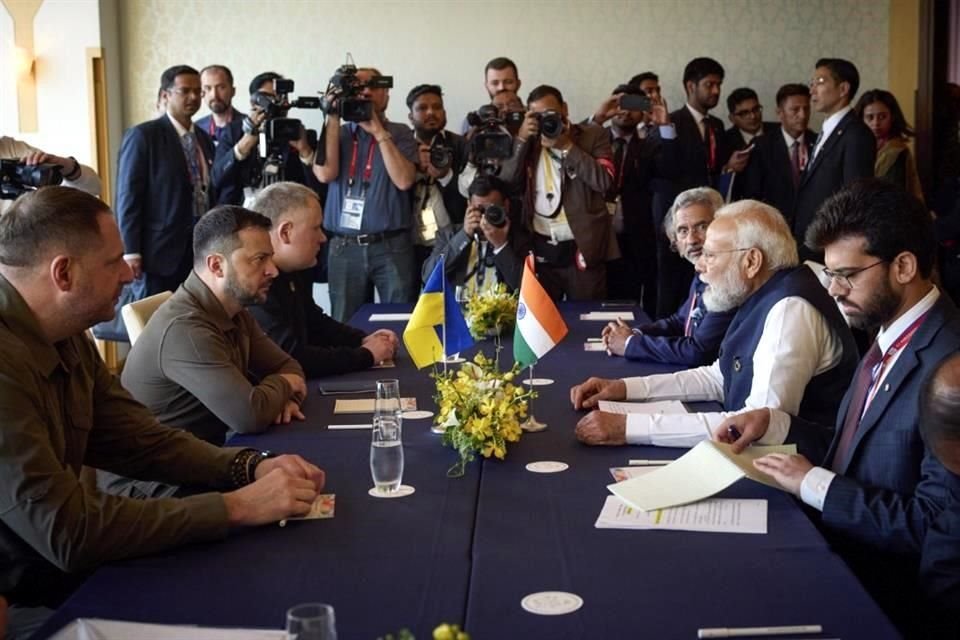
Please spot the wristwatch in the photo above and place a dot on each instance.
(244, 465)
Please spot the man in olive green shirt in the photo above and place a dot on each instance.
(61, 271)
(202, 362)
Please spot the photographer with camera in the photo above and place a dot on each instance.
(488, 248)
(509, 116)
(437, 203)
(25, 167)
(369, 164)
(564, 170)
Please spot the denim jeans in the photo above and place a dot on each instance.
(354, 270)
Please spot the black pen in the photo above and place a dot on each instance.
(733, 433)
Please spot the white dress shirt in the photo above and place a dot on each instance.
(813, 489)
(828, 126)
(796, 344)
(699, 119)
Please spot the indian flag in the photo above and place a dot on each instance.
(539, 325)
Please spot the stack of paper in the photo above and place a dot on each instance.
(94, 629)
(664, 406)
(715, 516)
(707, 469)
(389, 317)
(608, 316)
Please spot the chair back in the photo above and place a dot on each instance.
(137, 314)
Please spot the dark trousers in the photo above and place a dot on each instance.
(570, 283)
(354, 270)
(149, 284)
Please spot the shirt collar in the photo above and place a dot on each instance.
(831, 123)
(747, 136)
(788, 138)
(697, 116)
(181, 131)
(626, 137)
(19, 319)
(886, 337)
(201, 293)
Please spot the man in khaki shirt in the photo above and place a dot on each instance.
(61, 271)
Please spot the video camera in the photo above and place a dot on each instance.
(492, 142)
(277, 131)
(343, 94)
(17, 178)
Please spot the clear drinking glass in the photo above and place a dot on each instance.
(311, 621)
(386, 446)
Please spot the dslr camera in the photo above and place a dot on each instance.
(492, 142)
(278, 130)
(17, 178)
(343, 94)
(495, 215)
(441, 156)
(551, 124)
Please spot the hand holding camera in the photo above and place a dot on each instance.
(436, 159)
(530, 127)
(554, 131)
(495, 225)
(607, 109)
(471, 221)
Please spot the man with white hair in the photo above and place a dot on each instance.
(788, 345)
(690, 336)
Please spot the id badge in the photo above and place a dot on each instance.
(613, 206)
(351, 217)
(428, 224)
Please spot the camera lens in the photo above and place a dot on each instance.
(551, 124)
(495, 215)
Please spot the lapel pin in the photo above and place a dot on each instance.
(886, 387)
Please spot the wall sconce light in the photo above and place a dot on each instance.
(23, 13)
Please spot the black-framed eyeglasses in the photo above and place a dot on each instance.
(743, 113)
(843, 279)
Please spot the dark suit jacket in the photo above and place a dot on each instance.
(454, 246)
(154, 194)
(733, 140)
(229, 191)
(768, 177)
(587, 176)
(664, 340)
(692, 151)
(644, 160)
(940, 569)
(847, 155)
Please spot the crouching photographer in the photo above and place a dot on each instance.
(369, 163)
(24, 168)
(488, 249)
(564, 170)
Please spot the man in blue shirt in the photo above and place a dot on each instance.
(369, 167)
(690, 336)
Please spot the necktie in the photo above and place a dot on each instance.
(692, 316)
(190, 150)
(619, 151)
(710, 138)
(816, 144)
(795, 167)
(858, 399)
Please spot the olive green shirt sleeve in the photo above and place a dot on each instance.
(205, 362)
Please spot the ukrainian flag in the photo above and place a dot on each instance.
(436, 307)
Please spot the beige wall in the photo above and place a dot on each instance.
(585, 47)
(904, 55)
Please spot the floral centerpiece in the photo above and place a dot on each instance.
(480, 409)
(491, 312)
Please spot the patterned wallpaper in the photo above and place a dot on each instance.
(584, 47)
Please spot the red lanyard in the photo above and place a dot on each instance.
(367, 168)
(890, 354)
(212, 127)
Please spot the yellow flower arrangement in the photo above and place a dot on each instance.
(480, 409)
(491, 312)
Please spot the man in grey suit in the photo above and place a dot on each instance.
(878, 487)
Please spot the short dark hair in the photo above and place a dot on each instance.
(739, 95)
(423, 89)
(791, 89)
(890, 219)
(484, 185)
(543, 91)
(58, 218)
(169, 77)
(628, 89)
(222, 69)
(842, 71)
(218, 230)
(640, 78)
(699, 68)
(499, 64)
(260, 78)
(940, 404)
(898, 122)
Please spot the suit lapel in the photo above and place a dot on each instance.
(829, 144)
(177, 157)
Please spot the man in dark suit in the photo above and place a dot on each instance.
(564, 170)
(638, 160)
(778, 159)
(164, 185)
(746, 117)
(845, 149)
(437, 203)
(878, 486)
(224, 125)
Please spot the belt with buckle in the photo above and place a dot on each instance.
(365, 239)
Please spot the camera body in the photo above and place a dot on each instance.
(346, 88)
(17, 178)
(492, 142)
(278, 130)
(441, 156)
(551, 124)
(495, 215)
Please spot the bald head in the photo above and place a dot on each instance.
(940, 413)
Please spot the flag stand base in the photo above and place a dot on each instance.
(532, 425)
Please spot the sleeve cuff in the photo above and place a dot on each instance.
(626, 347)
(778, 428)
(668, 132)
(636, 388)
(814, 487)
(638, 429)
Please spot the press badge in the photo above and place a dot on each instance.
(428, 224)
(352, 215)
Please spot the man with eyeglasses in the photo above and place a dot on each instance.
(878, 486)
(691, 335)
(788, 344)
(746, 115)
(164, 185)
(844, 151)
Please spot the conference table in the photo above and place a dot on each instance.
(468, 550)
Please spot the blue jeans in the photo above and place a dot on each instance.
(354, 270)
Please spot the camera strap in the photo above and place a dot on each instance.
(367, 168)
(549, 182)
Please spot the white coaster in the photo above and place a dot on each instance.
(416, 415)
(402, 491)
(547, 466)
(551, 603)
(537, 382)
(455, 360)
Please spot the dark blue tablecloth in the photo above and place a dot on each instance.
(469, 549)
